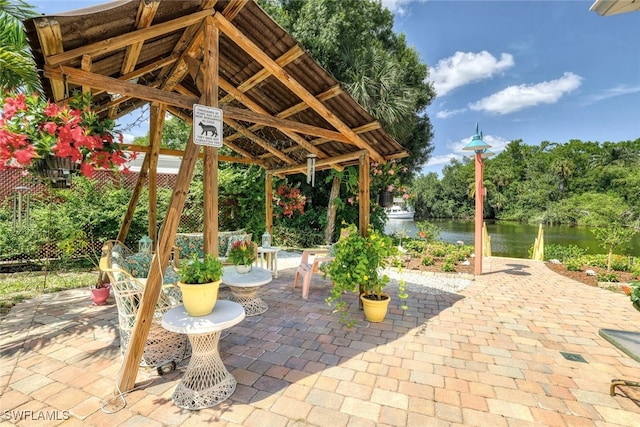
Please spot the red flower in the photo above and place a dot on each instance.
(626, 289)
(32, 128)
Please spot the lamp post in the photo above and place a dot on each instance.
(480, 147)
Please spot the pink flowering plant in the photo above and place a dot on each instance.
(289, 200)
(32, 128)
(388, 177)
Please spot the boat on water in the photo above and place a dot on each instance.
(398, 212)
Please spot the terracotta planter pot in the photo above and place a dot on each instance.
(375, 310)
(199, 300)
(99, 296)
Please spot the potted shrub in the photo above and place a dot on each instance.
(199, 282)
(241, 255)
(357, 267)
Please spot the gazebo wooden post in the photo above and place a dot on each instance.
(128, 372)
(155, 138)
(133, 202)
(268, 202)
(209, 72)
(364, 183)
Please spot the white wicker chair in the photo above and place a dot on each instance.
(162, 346)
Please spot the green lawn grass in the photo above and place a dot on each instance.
(17, 287)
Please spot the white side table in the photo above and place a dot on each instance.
(206, 382)
(244, 288)
(272, 258)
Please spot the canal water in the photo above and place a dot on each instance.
(513, 239)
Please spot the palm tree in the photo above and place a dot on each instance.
(17, 69)
(374, 79)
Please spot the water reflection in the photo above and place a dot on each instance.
(513, 239)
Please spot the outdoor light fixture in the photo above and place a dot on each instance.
(311, 169)
(481, 148)
(144, 245)
(266, 239)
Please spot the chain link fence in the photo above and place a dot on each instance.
(26, 242)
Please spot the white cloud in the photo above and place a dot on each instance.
(515, 98)
(442, 159)
(127, 138)
(615, 91)
(497, 143)
(444, 114)
(467, 67)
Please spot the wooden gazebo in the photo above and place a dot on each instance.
(279, 105)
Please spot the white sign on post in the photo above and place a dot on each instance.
(207, 125)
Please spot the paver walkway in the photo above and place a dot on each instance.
(489, 356)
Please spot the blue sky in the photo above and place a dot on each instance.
(530, 70)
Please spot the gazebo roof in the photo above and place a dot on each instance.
(279, 104)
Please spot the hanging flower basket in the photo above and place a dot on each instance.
(53, 141)
(54, 171)
(386, 199)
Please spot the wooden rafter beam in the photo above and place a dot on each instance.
(144, 18)
(181, 68)
(229, 88)
(255, 138)
(51, 41)
(180, 153)
(320, 164)
(186, 39)
(151, 94)
(289, 56)
(248, 134)
(251, 117)
(278, 72)
(86, 64)
(125, 88)
(112, 44)
(324, 96)
(233, 7)
(250, 158)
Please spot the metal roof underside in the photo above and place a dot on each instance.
(279, 104)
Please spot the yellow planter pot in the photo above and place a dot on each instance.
(199, 300)
(375, 310)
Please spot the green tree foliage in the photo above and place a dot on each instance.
(17, 69)
(537, 183)
(354, 40)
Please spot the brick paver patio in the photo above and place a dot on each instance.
(489, 356)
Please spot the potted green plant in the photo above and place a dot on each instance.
(199, 282)
(633, 291)
(242, 255)
(357, 266)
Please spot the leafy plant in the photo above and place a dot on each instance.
(200, 271)
(562, 252)
(607, 277)
(633, 291)
(241, 253)
(449, 265)
(573, 264)
(357, 265)
(33, 128)
(427, 260)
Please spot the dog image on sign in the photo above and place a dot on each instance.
(208, 128)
